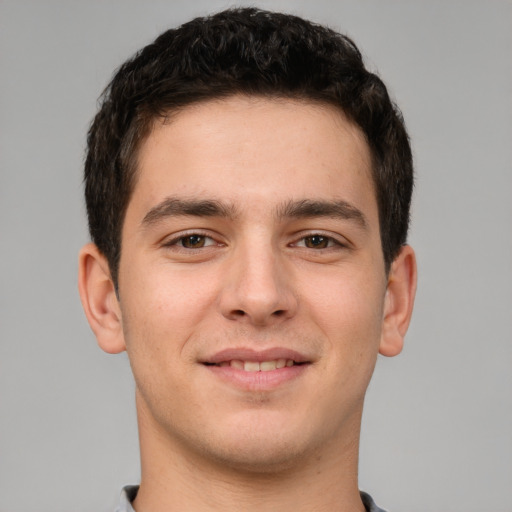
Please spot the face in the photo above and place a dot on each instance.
(251, 281)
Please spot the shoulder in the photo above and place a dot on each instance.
(127, 496)
(369, 503)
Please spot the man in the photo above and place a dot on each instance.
(248, 184)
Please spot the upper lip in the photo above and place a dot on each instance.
(249, 354)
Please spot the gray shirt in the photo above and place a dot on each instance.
(129, 492)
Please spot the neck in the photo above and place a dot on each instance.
(176, 478)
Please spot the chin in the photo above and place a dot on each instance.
(259, 447)
(258, 457)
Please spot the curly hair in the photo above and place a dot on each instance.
(241, 51)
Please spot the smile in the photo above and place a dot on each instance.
(255, 366)
(257, 370)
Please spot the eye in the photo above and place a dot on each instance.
(191, 241)
(317, 241)
(195, 241)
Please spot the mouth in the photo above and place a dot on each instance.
(257, 366)
(262, 370)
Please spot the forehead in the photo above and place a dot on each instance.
(254, 151)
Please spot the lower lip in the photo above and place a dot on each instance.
(258, 381)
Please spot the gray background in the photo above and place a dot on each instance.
(438, 423)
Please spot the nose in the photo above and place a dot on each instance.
(258, 288)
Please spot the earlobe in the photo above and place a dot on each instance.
(399, 301)
(99, 299)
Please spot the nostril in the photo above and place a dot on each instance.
(279, 312)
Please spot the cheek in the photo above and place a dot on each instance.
(348, 311)
(162, 311)
(346, 303)
(157, 322)
(162, 314)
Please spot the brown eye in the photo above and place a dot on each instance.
(316, 242)
(193, 241)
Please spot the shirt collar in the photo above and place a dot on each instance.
(130, 491)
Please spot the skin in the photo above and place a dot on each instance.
(256, 275)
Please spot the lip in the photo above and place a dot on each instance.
(248, 354)
(260, 380)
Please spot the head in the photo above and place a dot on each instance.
(248, 186)
(241, 52)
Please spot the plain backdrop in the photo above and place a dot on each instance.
(437, 432)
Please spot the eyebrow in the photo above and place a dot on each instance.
(305, 208)
(308, 208)
(174, 207)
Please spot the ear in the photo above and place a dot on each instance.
(99, 300)
(398, 302)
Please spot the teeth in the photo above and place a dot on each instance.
(239, 365)
(254, 366)
(251, 366)
(268, 365)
